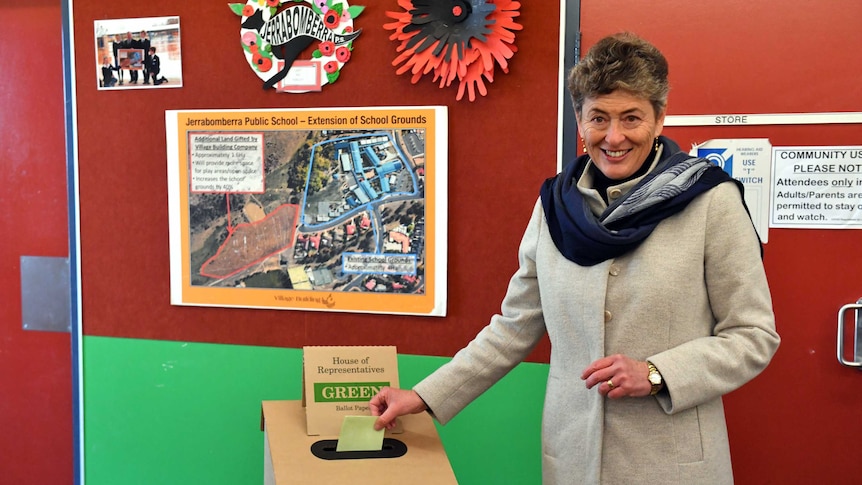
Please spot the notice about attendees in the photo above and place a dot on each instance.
(817, 187)
(226, 162)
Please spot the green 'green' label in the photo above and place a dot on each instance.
(346, 391)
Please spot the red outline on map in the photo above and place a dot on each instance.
(234, 230)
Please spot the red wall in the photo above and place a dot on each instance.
(500, 149)
(35, 367)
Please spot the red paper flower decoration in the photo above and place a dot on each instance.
(461, 39)
(326, 48)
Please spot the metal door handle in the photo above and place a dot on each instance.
(857, 335)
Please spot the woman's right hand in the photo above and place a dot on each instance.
(390, 403)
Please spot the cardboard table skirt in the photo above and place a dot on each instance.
(288, 458)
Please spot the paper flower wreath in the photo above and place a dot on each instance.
(275, 32)
(461, 39)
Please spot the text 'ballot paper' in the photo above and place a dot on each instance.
(358, 434)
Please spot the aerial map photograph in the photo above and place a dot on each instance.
(324, 210)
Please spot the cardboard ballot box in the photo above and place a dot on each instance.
(288, 458)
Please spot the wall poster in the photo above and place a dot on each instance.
(817, 187)
(749, 161)
(334, 209)
(138, 53)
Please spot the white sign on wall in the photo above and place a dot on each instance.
(748, 161)
(817, 187)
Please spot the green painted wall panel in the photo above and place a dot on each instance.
(187, 413)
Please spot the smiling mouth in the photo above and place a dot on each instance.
(615, 153)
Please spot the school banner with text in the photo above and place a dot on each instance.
(334, 209)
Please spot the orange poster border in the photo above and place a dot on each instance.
(181, 124)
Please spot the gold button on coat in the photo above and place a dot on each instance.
(615, 193)
(614, 270)
(608, 315)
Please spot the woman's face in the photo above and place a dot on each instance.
(619, 130)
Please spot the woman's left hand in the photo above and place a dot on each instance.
(618, 376)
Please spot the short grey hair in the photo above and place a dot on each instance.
(621, 61)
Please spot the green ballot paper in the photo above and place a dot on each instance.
(358, 434)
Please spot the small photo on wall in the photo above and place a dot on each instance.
(138, 53)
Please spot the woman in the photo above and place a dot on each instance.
(643, 267)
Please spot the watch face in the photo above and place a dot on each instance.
(655, 379)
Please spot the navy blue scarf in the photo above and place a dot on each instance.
(586, 239)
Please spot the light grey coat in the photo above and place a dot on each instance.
(692, 298)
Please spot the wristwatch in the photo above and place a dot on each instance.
(654, 379)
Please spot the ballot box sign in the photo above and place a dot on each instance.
(339, 381)
(346, 391)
